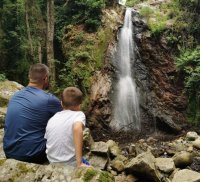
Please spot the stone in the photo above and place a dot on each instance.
(144, 165)
(2, 155)
(124, 178)
(2, 116)
(7, 90)
(84, 174)
(87, 140)
(100, 148)
(165, 165)
(195, 164)
(117, 165)
(186, 175)
(191, 136)
(196, 143)
(183, 159)
(98, 162)
(113, 148)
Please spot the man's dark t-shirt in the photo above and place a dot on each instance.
(28, 113)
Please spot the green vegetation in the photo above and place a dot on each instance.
(105, 177)
(2, 161)
(24, 169)
(155, 19)
(90, 173)
(2, 77)
(132, 3)
(189, 64)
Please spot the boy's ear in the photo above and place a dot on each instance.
(61, 103)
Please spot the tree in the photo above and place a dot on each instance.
(49, 40)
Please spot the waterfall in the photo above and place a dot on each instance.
(126, 101)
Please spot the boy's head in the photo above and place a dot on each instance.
(71, 98)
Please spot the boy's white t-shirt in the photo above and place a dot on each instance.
(59, 135)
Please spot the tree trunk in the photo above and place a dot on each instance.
(50, 36)
(39, 52)
(28, 29)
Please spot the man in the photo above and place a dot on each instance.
(27, 116)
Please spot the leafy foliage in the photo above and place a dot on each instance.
(189, 64)
(2, 77)
(155, 20)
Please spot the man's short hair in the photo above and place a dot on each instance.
(37, 72)
(71, 96)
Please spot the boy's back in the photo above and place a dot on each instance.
(59, 135)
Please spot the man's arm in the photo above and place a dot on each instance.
(78, 141)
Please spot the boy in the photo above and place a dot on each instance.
(64, 131)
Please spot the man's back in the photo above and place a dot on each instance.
(26, 119)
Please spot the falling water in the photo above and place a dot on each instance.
(126, 106)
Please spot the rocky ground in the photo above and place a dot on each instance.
(142, 160)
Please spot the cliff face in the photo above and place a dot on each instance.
(162, 100)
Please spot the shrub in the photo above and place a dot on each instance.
(189, 64)
(2, 77)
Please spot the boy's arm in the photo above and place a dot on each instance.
(78, 141)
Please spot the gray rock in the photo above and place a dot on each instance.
(87, 140)
(183, 159)
(100, 148)
(144, 164)
(7, 89)
(196, 143)
(98, 162)
(165, 165)
(117, 165)
(186, 175)
(113, 148)
(84, 174)
(191, 136)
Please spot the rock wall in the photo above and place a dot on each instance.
(161, 93)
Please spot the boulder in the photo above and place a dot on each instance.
(100, 148)
(144, 165)
(124, 178)
(85, 174)
(196, 143)
(165, 165)
(183, 159)
(2, 155)
(7, 89)
(2, 116)
(15, 171)
(113, 148)
(99, 162)
(186, 175)
(117, 165)
(191, 136)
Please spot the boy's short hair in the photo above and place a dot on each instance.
(37, 72)
(71, 96)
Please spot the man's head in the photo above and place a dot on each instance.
(39, 75)
(71, 98)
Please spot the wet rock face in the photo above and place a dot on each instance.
(161, 98)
